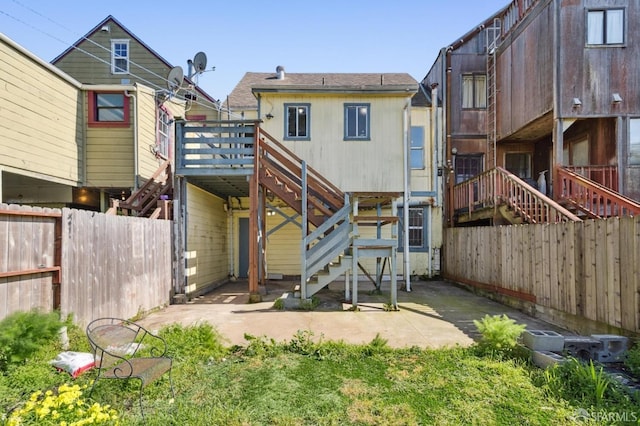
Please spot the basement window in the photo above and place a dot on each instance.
(417, 229)
(605, 27)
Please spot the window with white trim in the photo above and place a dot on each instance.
(474, 91)
(357, 121)
(164, 134)
(605, 26)
(297, 124)
(120, 56)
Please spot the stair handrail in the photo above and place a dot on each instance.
(316, 181)
(532, 205)
(498, 186)
(595, 200)
(145, 198)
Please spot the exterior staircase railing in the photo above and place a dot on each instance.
(592, 199)
(604, 175)
(152, 199)
(498, 187)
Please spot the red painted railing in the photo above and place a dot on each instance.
(497, 187)
(594, 200)
(604, 175)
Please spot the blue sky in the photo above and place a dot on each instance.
(241, 36)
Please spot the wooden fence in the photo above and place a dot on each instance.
(84, 263)
(582, 275)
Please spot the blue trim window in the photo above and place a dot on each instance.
(297, 125)
(417, 148)
(417, 229)
(357, 122)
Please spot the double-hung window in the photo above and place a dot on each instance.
(164, 133)
(357, 121)
(108, 109)
(474, 91)
(417, 229)
(297, 123)
(605, 26)
(120, 56)
(417, 147)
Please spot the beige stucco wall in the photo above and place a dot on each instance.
(207, 240)
(374, 165)
(40, 118)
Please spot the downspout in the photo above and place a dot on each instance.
(430, 251)
(136, 170)
(447, 144)
(435, 160)
(405, 211)
(557, 135)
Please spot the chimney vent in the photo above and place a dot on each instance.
(280, 72)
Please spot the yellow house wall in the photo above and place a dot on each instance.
(147, 118)
(40, 118)
(207, 241)
(375, 165)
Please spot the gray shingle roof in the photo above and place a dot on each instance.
(242, 96)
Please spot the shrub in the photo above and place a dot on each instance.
(499, 334)
(22, 334)
(632, 361)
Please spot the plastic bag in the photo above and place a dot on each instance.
(74, 363)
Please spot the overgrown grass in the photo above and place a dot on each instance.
(309, 381)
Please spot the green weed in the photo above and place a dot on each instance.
(499, 334)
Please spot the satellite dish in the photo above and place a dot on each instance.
(200, 61)
(174, 79)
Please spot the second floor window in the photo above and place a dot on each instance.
(108, 110)
(297, 125)
(164, 134)
(356, 121)
(605, 26)
(474, 91)
(417, 147)
(120, 56)
(467, 166)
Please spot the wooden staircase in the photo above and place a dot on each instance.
(319, 202)
(592, 200)
(151, 200)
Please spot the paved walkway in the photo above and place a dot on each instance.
(434, 314)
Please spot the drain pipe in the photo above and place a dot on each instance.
(405, 211)
(135, 138)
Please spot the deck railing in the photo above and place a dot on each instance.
(497, 187)
(596, 201)
(604, 175)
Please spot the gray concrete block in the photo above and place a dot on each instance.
(582, 347)
(543, 340)
(544, 359)
(614, 347)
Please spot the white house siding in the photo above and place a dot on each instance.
(207, 242)
(39, 118)
(367, 166)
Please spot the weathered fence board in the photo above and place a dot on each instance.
(587, 269)
(26, 246)
(118, 266)
(110, 265)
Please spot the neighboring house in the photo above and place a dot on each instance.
(542, 89)
(62, 148)
(352, 134)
